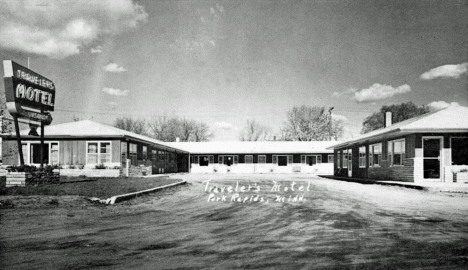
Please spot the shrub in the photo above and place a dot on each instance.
(21, 168)
(100, 167)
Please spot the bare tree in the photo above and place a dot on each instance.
(254, 131)
(201, 132)
(167, 129)
(137, 126)
(307, 123)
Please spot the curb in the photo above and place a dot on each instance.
(127, 196)
(455, 189)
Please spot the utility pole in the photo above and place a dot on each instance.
(330, 122)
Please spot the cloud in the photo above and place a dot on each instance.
(58, 28)
(446, 71)
(338, 117)
(115, 92)
(346, 92)
(224, 125)
(113, 67)
(112, 103)
(379, 91)
(437, 105)
(98, 49)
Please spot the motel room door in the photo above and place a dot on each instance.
(432, 149)
(228, 160)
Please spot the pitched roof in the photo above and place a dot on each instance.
(91, 129)
(263, 147)
(450, 119)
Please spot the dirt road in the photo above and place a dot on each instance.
(320, 224)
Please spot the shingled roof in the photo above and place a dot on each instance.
(450, 119)
(92, 130)
(261, 147)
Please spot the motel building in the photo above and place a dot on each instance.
(431, 147)
(260, 157)
(87, 144)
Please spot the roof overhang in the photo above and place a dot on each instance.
(395, 133)
(96, 137)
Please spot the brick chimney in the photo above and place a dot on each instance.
(388, 119)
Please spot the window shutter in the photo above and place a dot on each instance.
(236, 159)
(303, 159)
(290, 159)
(275, 159)
(195, 158)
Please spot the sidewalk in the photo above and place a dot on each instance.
(427, 186)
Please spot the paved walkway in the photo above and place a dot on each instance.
(428, 186)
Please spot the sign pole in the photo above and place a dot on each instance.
(42, 142)
(18, 140)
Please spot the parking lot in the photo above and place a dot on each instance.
(230, 221)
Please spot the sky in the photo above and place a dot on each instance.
(226, 62)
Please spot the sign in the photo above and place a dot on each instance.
(27, 91)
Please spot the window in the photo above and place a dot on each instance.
(459, 151)
(154, 155)
(211, 158)
(123, 152)
(54, 153)
(262, 159)
(282, 160)
(375, 154)
(162, 157)
(145, 152)
(24, 148)
(396, 152)
(345, 158)
(220, 159)
(362, 157)
(338, 159)
(133, 154)
(92, 153)
(195, 159)
(248, 159)
(311, 160)
(331, 158)
(98, 152)
(204, 160)
(350, 159)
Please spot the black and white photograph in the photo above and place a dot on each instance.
(234, 134)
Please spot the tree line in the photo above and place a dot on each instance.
(303, 123)
(166, 128)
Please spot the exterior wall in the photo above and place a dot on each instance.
(412, 169)
(446, 170)
(383, 171)
(73, 152)
(319, 169)
(10, 154)
(268, 167)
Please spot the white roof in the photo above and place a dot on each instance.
(91, 129)
(450, 119)
(259, 147)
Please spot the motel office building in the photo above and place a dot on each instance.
(430, 147)
(85, 144)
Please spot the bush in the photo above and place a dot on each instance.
(100, 167)
(21, 168)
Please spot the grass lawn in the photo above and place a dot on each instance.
(90, 187)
